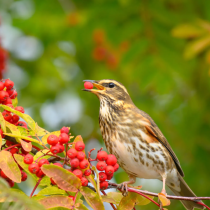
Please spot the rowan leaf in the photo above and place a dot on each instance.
(14, 131)
(26, 117)
(63, 178)
(22, 137)
(165, 201)
(92, 198)
(128, 202)
(2, 122)
(108, 199)
(57, 201)
(116, 196)
(41, 153)
(0, 141)
(80, 206)
(97, 178)
(27, 146)
(15, 102)
(141, 200)
(40, 131)
(52, 190)
(44, 138)
(45, 181)
(9, 166)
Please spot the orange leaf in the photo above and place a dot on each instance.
(27, 146)
(165, 201)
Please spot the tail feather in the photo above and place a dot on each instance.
(187, 192)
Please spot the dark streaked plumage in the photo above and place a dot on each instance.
(134, 138)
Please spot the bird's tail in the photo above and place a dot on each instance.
(186, 191)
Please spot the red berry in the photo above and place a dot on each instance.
(43, 162)
(102, 155)
(101, 166)
(8, 84)
(54, 149)
(52, 181)
(84, 181)
(10, 92)
(15, 118)
(83, 164)
(111, 160)
(81, 156)
(64, 130)
(28, 159)
(33, 168)
(87, 172)
(23, 151)
(3, 95)
(88, 85)
(22, 124)
(14, 95)
(52, 140)
(79, 146)
(14, 151)
(40, 173)
(58, 164)
(116, 166)
(23, 176)
(8, 143)
(102, 176)
(2, 135)
(72, 153)
(20, 109)
(3, 175)
(109, 177)
(78, 173)
(64, 138)
(10, 105)
(1, 86)
(103, 185)
(7, 101)
(109, 170)
(61, 147)
(11, 183)
(7, 115)
(74, 163)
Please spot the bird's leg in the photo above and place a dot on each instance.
(123, 187)
(164, 186)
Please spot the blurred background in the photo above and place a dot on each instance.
(160, 50)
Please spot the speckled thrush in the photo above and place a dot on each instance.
(134, 138)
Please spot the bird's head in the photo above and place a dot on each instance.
(109, 90)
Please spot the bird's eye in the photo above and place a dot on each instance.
(111, 85)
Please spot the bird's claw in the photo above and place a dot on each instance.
(123, 187)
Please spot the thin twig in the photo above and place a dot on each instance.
(37, 184)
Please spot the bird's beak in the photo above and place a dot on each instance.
(95, 84)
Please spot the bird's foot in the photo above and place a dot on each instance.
(123, 187)
(163, 192)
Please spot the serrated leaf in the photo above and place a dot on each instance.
(56, 201)
(22, 137)
(2, 122)
(15, 102)
(27, 146)
(52, 190)
(187, 31)
(26, 117)
(9, 166)
(116, 196)
(44, 138)
(196, 47)
(92, 198)
(41, 153)
(63, 178)
(165, 201)
(108, 199)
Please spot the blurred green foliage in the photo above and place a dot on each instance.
(160, 50)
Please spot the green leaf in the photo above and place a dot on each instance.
(80, 206)
(45, 181)
(52, 190)
(196, 47)
(63, 178)
(92, 198)
(22, 137)
(42, 152)
(2, 122)
(27, 146)
(108, 199)
(9, 166)
(116, 196)
(44, 138)
(15, 102)
(56, 201)
(26, 117)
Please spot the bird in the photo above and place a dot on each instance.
(138, 144)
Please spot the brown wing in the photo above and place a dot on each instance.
(155, 132)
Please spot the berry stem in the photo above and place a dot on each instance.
(37, 184)
(75, 197)
(202, 204)
(112, 205)
(41, 156)
(15, 145)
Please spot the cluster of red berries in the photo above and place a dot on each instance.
(107, 164)
(3, 58)
(57, 143)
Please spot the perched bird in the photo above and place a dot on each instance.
(137, 142)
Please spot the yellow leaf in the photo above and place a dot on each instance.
(116, 196)
(2, 122)
(40, 131)
(15, 102)
(27, 146)
(22, 137)
(44, 138)
(108, 199)
(165, 201)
